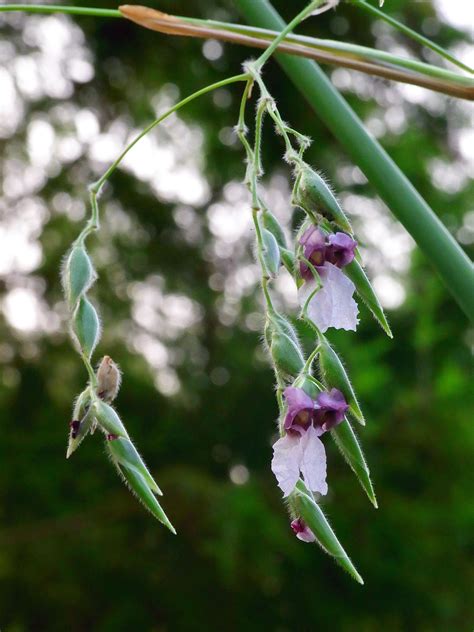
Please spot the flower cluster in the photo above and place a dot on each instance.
(300, 450)
(327, 291)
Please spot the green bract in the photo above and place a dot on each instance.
(366, 292)
(86, 326)
(314, 196)
(271, 253)
(334, 376)
(78, 274)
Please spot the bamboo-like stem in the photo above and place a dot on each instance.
(410, 33)
(363, 59)
(438, 245)
(57, 8)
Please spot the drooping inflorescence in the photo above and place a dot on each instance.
(92, 408)
(326, 266)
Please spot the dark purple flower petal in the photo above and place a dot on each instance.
(330, 409)
(302, 531)
(314, 250)
(300, 410)
(340, 249)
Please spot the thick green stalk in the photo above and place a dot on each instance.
(391, 184)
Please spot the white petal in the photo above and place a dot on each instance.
(286, 462)
(332, 305)
(313, 462)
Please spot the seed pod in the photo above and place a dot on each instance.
(366, 292)
(124, 453)
(271, 253)
(313, 516)
(108, 380)
(335, 376)
(315, 196)
(86, 326)
(78, 274)
(286, 355)
(108, 419)
(346, 441)
(271, 223)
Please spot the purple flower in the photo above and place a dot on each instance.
(300, 410)
(314, 250)
(302, 531)
(330, 409)
(340, 249)
(332, 305)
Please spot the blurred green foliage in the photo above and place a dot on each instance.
(77, 552)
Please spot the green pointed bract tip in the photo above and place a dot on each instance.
(366, 292)
(346, 441)
(315, 196)
(271, 253)
(286, 355)
(76, 438)
(313, 516)
(124, 452)
(81, 421)
(288, 259)
(86, 326)
(335, 376)
(78, 274)
(108, 419)
(271, 223)
(142, 491)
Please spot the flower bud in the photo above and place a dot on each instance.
(271, 253)
(271, 223)
(315, 196)
(286, 354)
(86, 326)
(78, 274)
(108, 419)
(108, 380)
(334, 375)
(366, 292)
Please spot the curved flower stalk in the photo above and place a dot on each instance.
(324, 252)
